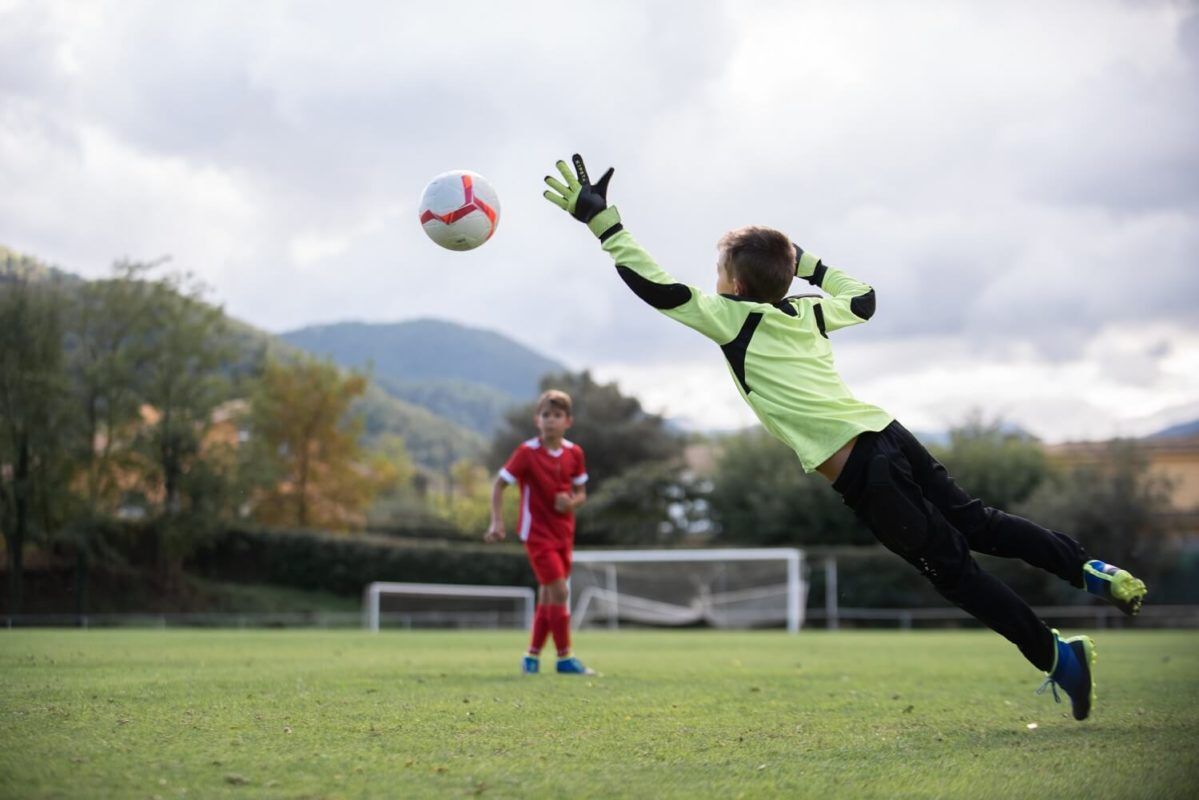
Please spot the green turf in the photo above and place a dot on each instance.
(689, 714)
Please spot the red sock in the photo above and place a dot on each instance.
(559, 621)
(541, 629)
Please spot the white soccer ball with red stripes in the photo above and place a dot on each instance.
(459, 210)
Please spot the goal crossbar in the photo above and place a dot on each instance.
(375, 591)
(788, 554)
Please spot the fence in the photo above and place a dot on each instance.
(1096, 616)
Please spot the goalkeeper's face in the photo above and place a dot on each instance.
(724, 282)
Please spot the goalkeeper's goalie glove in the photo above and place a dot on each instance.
(585, 201)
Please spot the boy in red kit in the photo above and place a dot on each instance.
(552, 476)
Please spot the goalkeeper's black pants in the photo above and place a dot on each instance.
(907, 498)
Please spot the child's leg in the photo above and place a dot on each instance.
(989, 530)
(879, 487)
(541, 625)
(551, 565)
(878, 484)
(558, 615)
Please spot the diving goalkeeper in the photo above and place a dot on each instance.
(778, 352)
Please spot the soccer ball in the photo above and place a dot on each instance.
(459, 210)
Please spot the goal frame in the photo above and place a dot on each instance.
(792, 556)
(375, 591)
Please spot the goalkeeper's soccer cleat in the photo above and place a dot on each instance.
(572, 666)
(1115, 585)
(1072, 671)
(530, 666)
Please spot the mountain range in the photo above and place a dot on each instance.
(469, 376)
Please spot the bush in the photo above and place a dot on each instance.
(344, 564)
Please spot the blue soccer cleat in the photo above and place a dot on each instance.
(530, 666)
(572, 666)
(1115, 585)
(1072, 671)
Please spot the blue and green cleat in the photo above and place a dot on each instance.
(530, 666)
(1073, 664)
(572, 666)
(1115, 585)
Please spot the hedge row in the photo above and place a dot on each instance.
(345, 564)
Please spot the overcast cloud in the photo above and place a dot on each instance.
(1019, 181)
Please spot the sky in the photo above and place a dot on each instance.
(1019, 181)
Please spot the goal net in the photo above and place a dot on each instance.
(731, 588)
(439, 605)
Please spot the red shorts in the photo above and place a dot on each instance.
(550, 562)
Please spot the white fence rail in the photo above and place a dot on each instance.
(1092, 616)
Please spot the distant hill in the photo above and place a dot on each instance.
(474, 406)
(467, 375)
(432, 440)
(1177, 431)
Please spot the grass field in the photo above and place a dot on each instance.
(298, 714)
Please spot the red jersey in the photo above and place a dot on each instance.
(542, 473)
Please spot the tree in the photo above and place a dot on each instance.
(181, 381)
(34, 495)
(1001, 467)
(760, 495)
(467, 500)
(652, 503)
(306, 447)
(108, 348)
(1114, 508)
(183, 378)
(613, 429)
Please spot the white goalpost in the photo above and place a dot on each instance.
(729, 588)
(447, 605)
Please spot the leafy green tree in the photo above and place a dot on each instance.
(1001, 467)
(613, 429)
(108, 347)
(467, 500)
(305, 444)
(652, 503)
(183, 378)
(760, 495)
(390, 450)
(36, 420)
(1117, 508)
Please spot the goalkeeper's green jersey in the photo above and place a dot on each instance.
(778, 353)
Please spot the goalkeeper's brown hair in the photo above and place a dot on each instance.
(760, 259)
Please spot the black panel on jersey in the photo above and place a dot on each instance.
(787, 307)
(735, 350)
(658, 295)
(790, 301)
(820, 319)
(863, 305)
(817, 277)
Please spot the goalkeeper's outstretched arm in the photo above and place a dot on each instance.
(711, 315)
